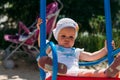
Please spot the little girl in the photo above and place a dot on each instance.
(65, 33)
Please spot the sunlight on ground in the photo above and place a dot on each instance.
(5, 77)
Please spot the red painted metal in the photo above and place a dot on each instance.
(83, 78)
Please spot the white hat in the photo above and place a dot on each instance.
(63, 23)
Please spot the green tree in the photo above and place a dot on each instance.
(83, 11)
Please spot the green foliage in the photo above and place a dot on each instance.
(19, 10)
(90, 42)
(83, 10)
(88, 13)
(97, 24)
(94, 42)
(116, 37)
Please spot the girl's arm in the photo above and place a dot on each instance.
(48, 50)
(39, 21)
(87, 56)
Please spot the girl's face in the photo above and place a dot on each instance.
(66, 37)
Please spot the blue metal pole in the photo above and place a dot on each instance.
(42, 34)
(108, 30)
(55, 61)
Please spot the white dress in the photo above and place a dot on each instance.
(70, 57)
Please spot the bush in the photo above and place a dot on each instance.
(90, 42)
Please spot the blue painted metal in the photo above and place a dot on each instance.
(43, 43)
(55, 60)
(108, 30)
(43, 36)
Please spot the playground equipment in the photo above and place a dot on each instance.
(110, 56)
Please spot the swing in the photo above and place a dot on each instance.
(64, 77)
(55, 65)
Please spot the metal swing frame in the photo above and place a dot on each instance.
(110, 56)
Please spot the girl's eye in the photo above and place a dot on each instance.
(63, 36)
(71, 37)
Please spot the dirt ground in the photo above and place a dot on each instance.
(23, 71)
(28, 71)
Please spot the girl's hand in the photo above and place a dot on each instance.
(39, 21)
(112, 43)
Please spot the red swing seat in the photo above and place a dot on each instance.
(59, 77)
